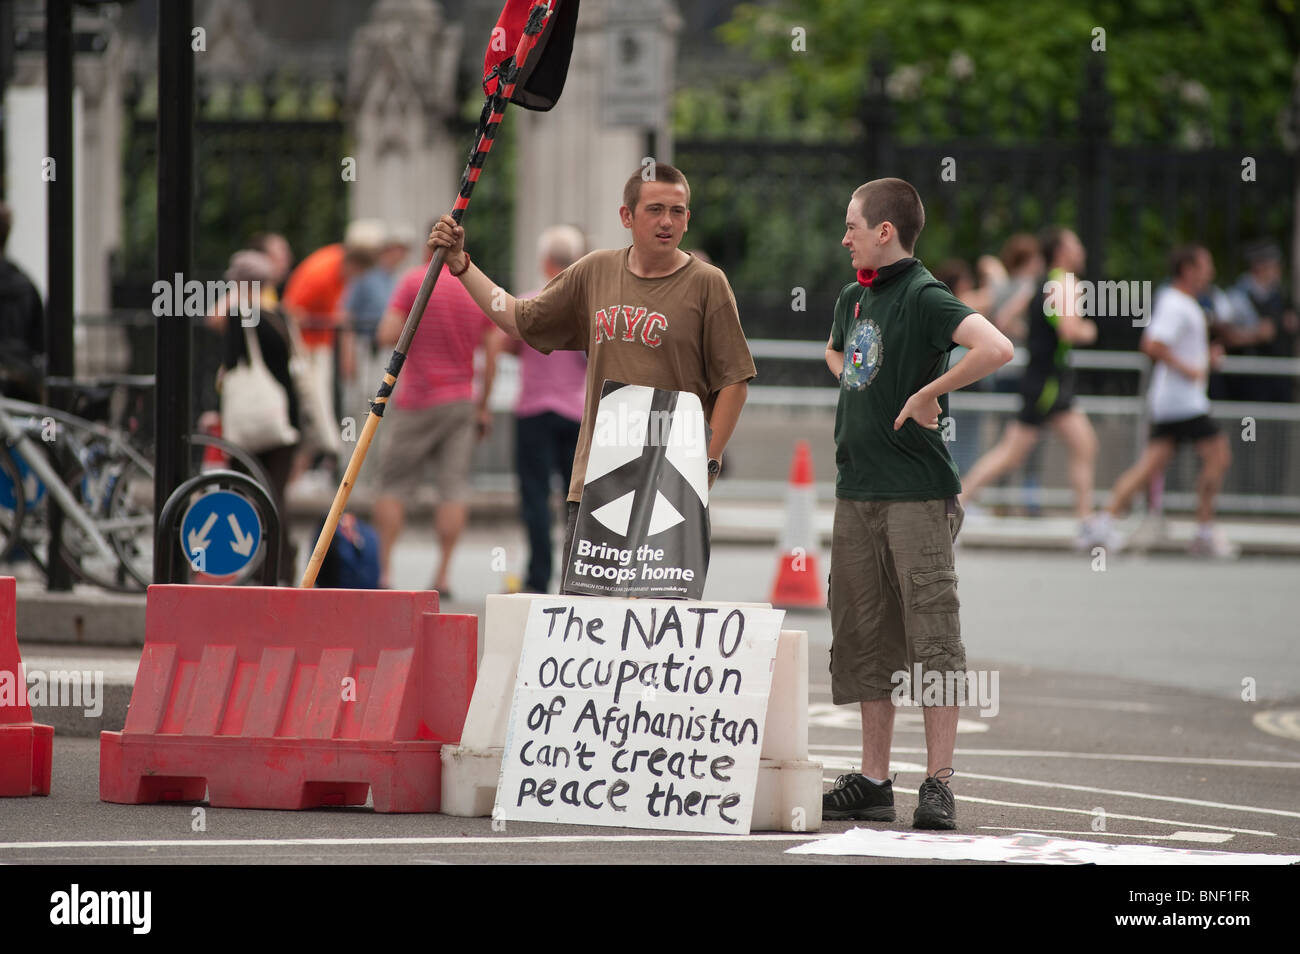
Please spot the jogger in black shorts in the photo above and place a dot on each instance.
(1177, 341)
(1047, 389)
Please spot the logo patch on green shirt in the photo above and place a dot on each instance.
(862, 354)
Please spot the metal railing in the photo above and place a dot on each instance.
(1278, 479)
(1268, 484)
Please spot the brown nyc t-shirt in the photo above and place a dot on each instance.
(680, 332)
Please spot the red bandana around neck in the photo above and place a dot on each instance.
(866, 276)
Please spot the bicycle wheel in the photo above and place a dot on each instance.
(118, 498)
(108, 532)
(13, 504)
(115, 490)
(121, 508)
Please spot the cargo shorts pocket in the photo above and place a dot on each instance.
(934, 607)
(948, 655)
(946, 659)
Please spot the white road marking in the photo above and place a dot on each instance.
(1088, 811)
(1207, 837)
(1120, 793)
(1100, 756)
(837, 763)
(1280, 722)
(906, 720)
(1112, 705)
(962, 797)
(449, 840)
(852, 765)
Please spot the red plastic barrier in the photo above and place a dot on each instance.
(26, 748)
(292, 698)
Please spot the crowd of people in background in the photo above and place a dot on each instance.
(343, 306)
(340, 309)
(338, 314)
(1193, 325)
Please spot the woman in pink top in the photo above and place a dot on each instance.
(548, 414)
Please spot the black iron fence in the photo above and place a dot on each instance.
(771, 212)
(269, 153)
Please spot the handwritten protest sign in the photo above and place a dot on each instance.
(639, 714)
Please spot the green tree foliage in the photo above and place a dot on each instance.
(1179, 77)
(1007, 63)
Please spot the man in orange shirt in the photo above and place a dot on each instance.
(313, 298)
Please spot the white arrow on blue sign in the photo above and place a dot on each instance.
(220, 533)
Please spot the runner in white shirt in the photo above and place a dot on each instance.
(1177, 340)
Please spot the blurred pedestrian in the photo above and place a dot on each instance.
(1047, 389)
(432, 417)
(1264, 322)
(1022, 257)
(963, 431)
(364, 302)
(548, 414)
(274, 341)
(313, 299)
(276, 247)
(22, 326)
(1177, 340)
(1254, 318)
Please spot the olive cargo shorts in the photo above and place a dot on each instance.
(892, 594)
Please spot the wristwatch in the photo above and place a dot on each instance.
(715, 467)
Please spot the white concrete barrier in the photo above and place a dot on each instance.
(789, 792)
(470, 770)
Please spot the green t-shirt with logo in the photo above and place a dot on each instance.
(895, 336)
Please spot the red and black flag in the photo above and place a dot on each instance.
(539, 82)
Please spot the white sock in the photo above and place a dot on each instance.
(874, 781)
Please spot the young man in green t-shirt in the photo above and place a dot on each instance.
(893, 589)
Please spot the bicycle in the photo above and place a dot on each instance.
(106, 495)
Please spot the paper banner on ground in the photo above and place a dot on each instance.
(1022, 848)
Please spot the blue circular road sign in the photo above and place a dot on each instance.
(220, 533)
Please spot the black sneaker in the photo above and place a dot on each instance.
(935, 807)
(854, 797)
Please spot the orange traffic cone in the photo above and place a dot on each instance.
(798, 581)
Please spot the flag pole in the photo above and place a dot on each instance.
(490, 120)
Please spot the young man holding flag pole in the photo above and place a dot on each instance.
(649, 314)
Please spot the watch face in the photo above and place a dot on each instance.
(715, 466)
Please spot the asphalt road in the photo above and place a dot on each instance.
(1120, 720)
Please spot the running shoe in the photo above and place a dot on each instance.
(855, 797)
(1098, 530)
(1211, 542)
(935, 806)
